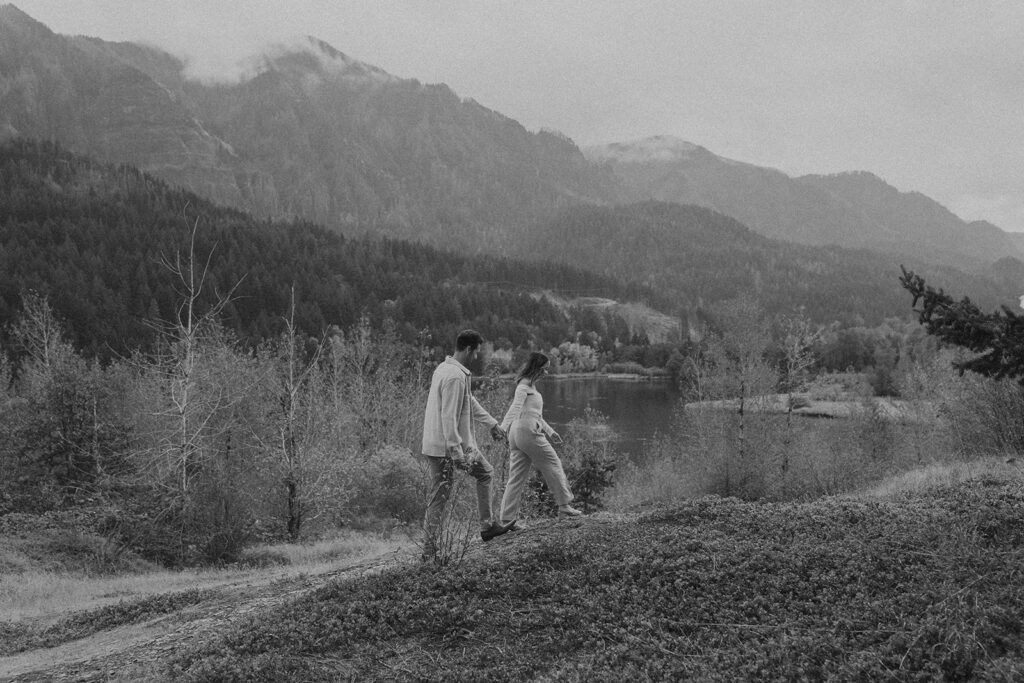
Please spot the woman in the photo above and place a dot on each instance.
(524, 423)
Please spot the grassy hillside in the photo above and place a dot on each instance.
(924, 585)
(916, 579)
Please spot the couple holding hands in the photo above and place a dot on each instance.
(449, 444)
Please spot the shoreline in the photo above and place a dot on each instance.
(615, 376)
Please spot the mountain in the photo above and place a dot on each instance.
(94, 238)
(698, 257)
(850, 209)
(87, 95)
(310, 133)
(915, 223)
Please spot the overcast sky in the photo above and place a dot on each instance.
(927, 94)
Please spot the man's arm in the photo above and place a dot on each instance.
(481, 415)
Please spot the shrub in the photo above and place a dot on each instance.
(664, 474)
(386, 485)
(627, 368)
(788, 458)
(986, 416)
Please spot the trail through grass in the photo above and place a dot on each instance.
(43, 596)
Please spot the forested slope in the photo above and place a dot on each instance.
(699, 257)
(94, 238)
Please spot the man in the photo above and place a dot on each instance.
(448, 441)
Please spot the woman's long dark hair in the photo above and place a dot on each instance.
(532, 367)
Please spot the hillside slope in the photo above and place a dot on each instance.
(698, 257)
(919, 585)
(857, 210)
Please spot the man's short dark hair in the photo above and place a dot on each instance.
(468, 339)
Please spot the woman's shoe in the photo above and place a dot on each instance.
(569, 511)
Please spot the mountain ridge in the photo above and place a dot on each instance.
(699, 257)
(92, 238)
(851, 208)
(312, 134)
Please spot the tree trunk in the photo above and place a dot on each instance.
(294, 508)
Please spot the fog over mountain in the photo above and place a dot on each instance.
(311, 134)
(308, 132)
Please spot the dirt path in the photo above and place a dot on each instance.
(140, 652)
(137, 651)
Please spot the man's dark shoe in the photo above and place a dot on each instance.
(517, 525)
(493, 531)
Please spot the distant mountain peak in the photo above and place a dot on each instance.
(11, 12)
(664, 148)
(864, 176)
(312, 55)
(14, 18)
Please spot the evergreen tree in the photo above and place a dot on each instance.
(997, 337)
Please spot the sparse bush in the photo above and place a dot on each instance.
(796, 458)
(90, 553)
(722, 465)
(664, 474)
(625, 368)
(261, 557)
(459, 524)
(839, 386)
(986, 416)
(388, 485)
(342, 544)
(796, 401)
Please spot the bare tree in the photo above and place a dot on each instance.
(182, 337)
(799, 336)
(731, 374)
(742, 340)
(300, 425)
(196, 419)
(41, 336)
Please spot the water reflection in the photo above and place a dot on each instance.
(636, 411)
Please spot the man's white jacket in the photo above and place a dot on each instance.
(451, 410)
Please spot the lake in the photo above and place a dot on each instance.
(636, 411)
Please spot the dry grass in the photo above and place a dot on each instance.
(323, 553)
(942, 474)
(43, 596)
(665, 476)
